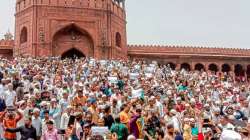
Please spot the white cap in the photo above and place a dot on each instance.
(217, 102)
(53, 100)
(192, 119)
(173, 111)
(131, 137)
(206, 105)
(216, 109)
(36, 110)
(43, 103)
(178, 99)
(69, 107)
(192, 100)
(186, 119)
(152, 98)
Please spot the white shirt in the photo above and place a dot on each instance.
(37, 124)
(64, 121)
(228, 126)
(160, 108)
(176, 123)
(63, 104)
(9, 97)
(78, 130)
(1, 90)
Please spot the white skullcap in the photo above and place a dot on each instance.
(173, 111)
(53, 100)
(36, 110)
(43, 103)
(69, 107)
(192, 119)
(217, 102)
(131, 137)
(216, 109)
(192, 100)
(178, 99)
(206, 105)
(152, 98)
(186, 119)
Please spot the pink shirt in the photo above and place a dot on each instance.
(50, 135)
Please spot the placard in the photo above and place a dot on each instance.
(137, 93)
(103, 131)
(134, 76)
(112, 80)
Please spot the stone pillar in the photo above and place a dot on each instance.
(178, 66)
(233, 69)
(192, 66)
(206, 66)
(245, 72)
(219, 66)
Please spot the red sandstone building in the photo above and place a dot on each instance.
(97, 28)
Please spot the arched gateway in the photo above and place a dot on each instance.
(96, 28)
(66, 40)
(72, 53)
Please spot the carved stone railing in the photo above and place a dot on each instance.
(136, 49)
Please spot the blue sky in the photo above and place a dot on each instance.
(212, 23)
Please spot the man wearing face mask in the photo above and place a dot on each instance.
(27, 131)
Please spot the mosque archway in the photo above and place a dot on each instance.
(238, 70)
(225, 68)
(72, 39)
(213, 68)
(73, 54)
(172, 65)
(199, 67)
(185, 66)
(248, 72)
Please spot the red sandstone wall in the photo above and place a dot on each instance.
(6, 48)
(187, 50)
(99, 18)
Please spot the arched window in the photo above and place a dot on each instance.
(213, 67)
(186, 66)
(23, 35)
(225, 68)
(172, 65)
(199, 67)
(248, 72)
(118, 39)
(238, 70)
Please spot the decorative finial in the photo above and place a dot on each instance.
(8, 36)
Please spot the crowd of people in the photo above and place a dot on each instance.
(88, 99)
